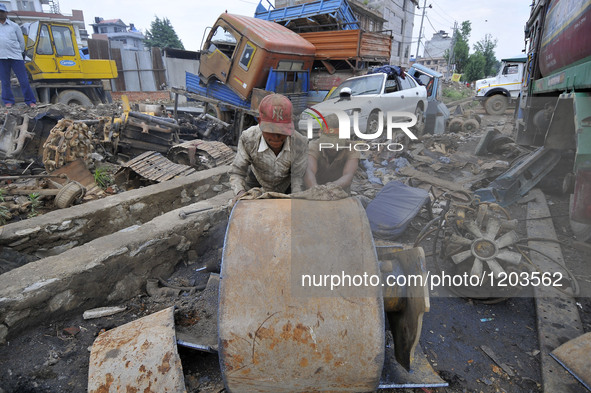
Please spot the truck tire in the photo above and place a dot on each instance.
(496, 105)
(69, 97)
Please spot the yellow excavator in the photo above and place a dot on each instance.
(58, 72)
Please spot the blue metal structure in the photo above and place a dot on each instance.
(338, 10)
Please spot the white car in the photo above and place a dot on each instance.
(370, 95)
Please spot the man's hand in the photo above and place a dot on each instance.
(237, 197)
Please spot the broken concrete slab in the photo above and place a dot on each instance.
(57, 231)
(107, 270)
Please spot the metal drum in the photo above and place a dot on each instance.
(277, 334)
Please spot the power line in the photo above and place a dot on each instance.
(451, 17)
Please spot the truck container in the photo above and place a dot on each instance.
(555, 104)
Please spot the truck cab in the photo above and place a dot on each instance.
(497, 92)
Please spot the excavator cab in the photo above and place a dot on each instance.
(52, 53)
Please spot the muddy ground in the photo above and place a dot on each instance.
(54, 357)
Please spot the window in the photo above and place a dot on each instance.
(222, 40)
(44, 46)
(399, 49)
(247, 54)
(405, 83)
(510, 69)
(25, 5)
(401, 26)
(62, 38)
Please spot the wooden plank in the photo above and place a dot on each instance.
(158, 66)
(557, 315)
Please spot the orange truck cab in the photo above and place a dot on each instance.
(241, 51)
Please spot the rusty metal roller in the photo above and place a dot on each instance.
(277, 335)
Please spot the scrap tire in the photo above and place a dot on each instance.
(68, 194)
(496, 105)
(69, 97)
(455, 125)
(470, 125)
(373, 121)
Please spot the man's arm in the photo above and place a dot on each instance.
(299, 163)
(239, 169)
(310, 178)
(348, 172)
(19, 37)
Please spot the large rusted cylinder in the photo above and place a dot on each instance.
(277, 334)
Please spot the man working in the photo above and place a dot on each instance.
(12, 46)
(326, 163)
(270, 155)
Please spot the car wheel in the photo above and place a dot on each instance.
(419, 128)
(496, 105)
(373, 123)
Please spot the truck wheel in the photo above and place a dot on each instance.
(496, 105)
(70, 97)
(455, 125)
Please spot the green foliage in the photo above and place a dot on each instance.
(162, 35)
(475, 67)
(35, 203)
(102, 178)
(2, 192)
(486, 47)
(461, 48)
(451, 94)
(4, 215)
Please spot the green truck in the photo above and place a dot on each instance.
(554, 108)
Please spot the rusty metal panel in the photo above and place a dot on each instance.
(575, 356)
(269, 35)
(335, 45)
(140, 356)
(277, 336)
(375, 46)
(154, 166)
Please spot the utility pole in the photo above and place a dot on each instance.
(421, 28)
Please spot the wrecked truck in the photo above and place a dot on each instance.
(243, 59)
(555, 104)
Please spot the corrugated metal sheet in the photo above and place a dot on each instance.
(269, 35)
(215, 90)
(350, 44)
(154, 166)
(375, 46)
(340, 44)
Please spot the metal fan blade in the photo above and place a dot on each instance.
(492, 228)
(461, 257)
(495, 267)
(473, 228)
(482, 210)
(477, 268)
(509, 256)
(507, 239)
(455, 239)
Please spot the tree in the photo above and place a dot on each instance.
(487, 46)
(162, 35)
(474, 69)
(461, 49)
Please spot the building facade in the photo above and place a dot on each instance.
(434, 52)
(118, 33)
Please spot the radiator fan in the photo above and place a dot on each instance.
(483, 250)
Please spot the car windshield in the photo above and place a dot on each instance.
(371, 84)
